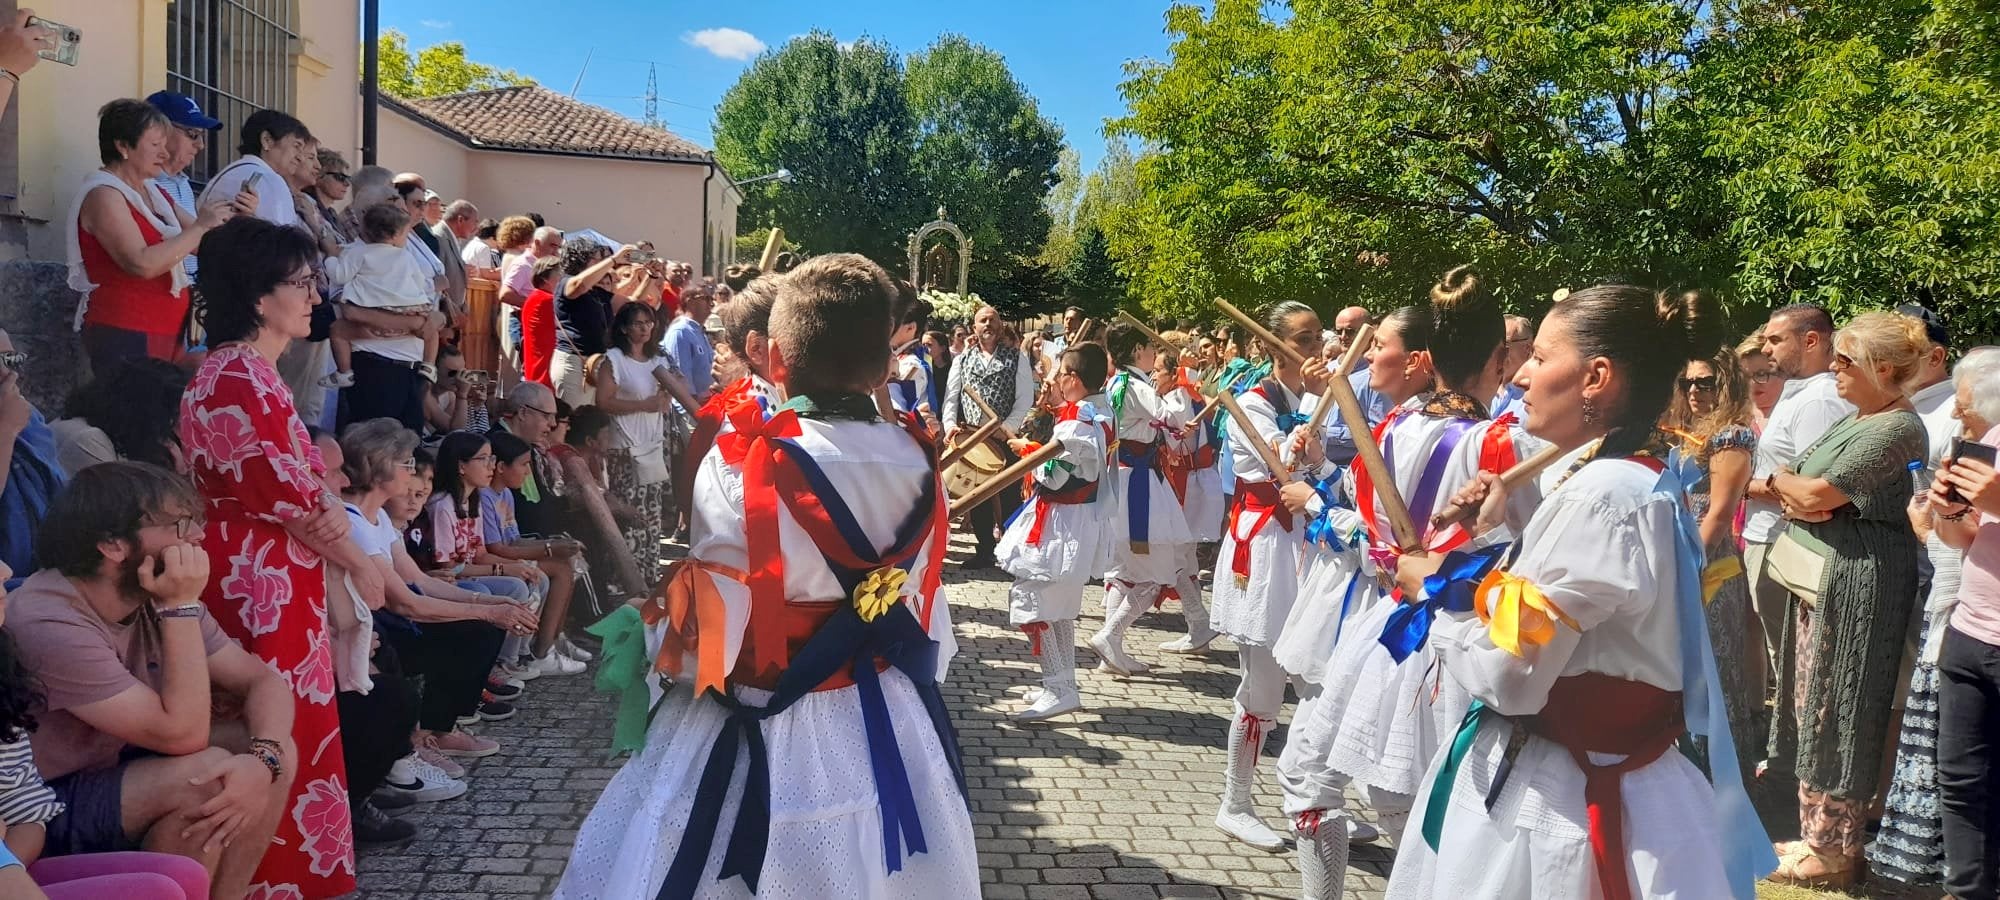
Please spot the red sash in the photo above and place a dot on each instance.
(1261, 500)
(1595, 713)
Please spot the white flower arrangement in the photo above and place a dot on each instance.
(947, 306)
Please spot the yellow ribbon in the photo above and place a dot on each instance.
(1718, 574)
(1516, 612)
(878, 592)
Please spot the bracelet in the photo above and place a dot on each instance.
(270, 753)
(1954, 517)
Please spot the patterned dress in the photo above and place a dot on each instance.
(1729, 612)
(256, 469)
(1910, 846)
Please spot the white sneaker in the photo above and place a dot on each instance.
(554, 663)
(337, 380)
(571, 650)
(519, 672)
(420, 781)
(1359, 832)
(1186, 644)
(1049, 704)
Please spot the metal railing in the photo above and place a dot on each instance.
(233, 57)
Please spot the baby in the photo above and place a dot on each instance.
(380, 275)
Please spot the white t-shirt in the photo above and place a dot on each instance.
(274, 196)
(1806, 410)
(478, 254)
(639, 432)
(376, 538)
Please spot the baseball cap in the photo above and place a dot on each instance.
(182, 110)
(1933, 326)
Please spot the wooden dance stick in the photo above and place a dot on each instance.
(773, 245)
(1512, 478)
(979, 435)
(1398, 512)
(1150, 334)
(1080, 335)
(1249, 429)
(598, 514)
(1006, 478)
(1354, 351)
(991, 416)
(1215, 403)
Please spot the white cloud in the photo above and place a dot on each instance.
(437, 24)
(728, 43)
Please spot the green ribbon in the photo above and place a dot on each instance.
(1447, 776)
(623, 672)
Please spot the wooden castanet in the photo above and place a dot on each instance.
(1512, 478)
(1392, 503)
(1007, 477)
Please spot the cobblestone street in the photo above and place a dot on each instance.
(1117, 801)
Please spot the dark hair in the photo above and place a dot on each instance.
(919, 310)
(586, 423)
(563, 409)
(750, 311)
(125, 121)
(1090, 363)
(380, 222)
(456, 448)
(487, 229)
(831, 321)
(506, 447)
(269, 123)
(241, 262)
(579, 252)
(137, 405)
(1650, 336)
(20, 692)
(1460, 328)
(106, 501)
(536, 218)
(786, 261)
(426, 458)
(739, 276)
(1123, 340)
(623, 319)
(1808, 317)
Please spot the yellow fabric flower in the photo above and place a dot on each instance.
(1718, 574)
(1516, 612)
(882, 589)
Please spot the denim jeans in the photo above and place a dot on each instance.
(1968, 734)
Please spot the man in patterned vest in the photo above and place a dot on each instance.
(1001, 375)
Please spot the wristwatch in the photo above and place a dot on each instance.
(189, 611)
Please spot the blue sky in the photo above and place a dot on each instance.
(1070, 54)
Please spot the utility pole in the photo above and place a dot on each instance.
(653, 95)
(371, 75)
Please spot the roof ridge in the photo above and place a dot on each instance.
(534, 118)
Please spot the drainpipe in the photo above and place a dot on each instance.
(706, 260)
(371, 74)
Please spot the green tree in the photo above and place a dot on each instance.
(435, 71)
(839, 119)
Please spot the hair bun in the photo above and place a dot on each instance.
(1696, 317)
(1457, 289)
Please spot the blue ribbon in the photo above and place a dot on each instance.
(903, 392)
(1321, 529)
(1142, 459)
(1290, 420)
(1449, 589)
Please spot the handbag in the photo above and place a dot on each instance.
(1796, 568)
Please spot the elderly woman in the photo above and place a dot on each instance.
(330, 186)
(271, 145)
(270, 525)
(1841, 655)
(127, 240)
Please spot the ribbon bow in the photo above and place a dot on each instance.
(622, 673)
(1291, 420)
(1516, 612)
(749, 425)
(1321, 529)
(880, 590)
(1449, 589)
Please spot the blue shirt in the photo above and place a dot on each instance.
(181, 190)
(1509, 401)
(497, 524)
(686, 345)
(1339, 442)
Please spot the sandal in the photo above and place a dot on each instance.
(1817, 870)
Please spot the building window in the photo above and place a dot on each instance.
(233, 57)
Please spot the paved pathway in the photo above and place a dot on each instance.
(1115, 802)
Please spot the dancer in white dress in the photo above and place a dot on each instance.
(1586, 648)
(1393, 705)
(1196, 473)
(1057, 542)
(1257, 573)
(1153, 533)
(803, 751)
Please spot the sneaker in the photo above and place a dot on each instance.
(571, 650)
(464, 745)
(374, 830)
(428, 754)
(337, 380)
(390, 802)
(429, 371)
(557, 664)
(508, 690)
(469, 719)
(413, 780)
(515, 671)
(494, 710)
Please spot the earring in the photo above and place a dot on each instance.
(1589, 412)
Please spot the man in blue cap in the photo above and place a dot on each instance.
(185, 141)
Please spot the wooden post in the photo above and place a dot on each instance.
(1007, 477)
(1393, 506)
(1512, 478)
(773, 245)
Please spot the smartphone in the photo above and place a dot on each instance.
(67, 38)
(643, 256)
(1964, 449)
(257, 183)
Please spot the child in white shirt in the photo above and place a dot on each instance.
(379, 274)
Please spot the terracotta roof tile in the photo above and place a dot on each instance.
(535, 118)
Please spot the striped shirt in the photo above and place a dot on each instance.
(181, 190)
(27, 800)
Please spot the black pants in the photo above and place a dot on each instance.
(375, 727)
(383, 387)
(453, 658)
(987, 515)
(1968, 750)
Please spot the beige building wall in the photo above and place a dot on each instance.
(329, 74)
(410, 146)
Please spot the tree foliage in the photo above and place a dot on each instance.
(1352, 150)
(875, 147)
(436, 70)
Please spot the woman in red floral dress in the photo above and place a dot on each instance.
(270, 524)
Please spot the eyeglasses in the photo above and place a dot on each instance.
(481, 458)
(194, 134)
(547, 412)
(1349, 331)
(408, 465)
(186, 528)
(1763, 377)
(302, 282)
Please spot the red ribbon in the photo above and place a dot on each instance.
(707, 423)
(1259, 498)
(1034, 631)
(749, 447)
(1167, 592)
(1253, 736)
(1307, 822)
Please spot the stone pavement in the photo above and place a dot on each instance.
(1115, 802)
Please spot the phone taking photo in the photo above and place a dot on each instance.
(67, 39)
(1964, 449)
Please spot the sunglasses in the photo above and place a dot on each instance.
(1763, 377)
(341, 177)
(1843, 360)
(1704, 383)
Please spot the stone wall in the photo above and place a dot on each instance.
(36, 309)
